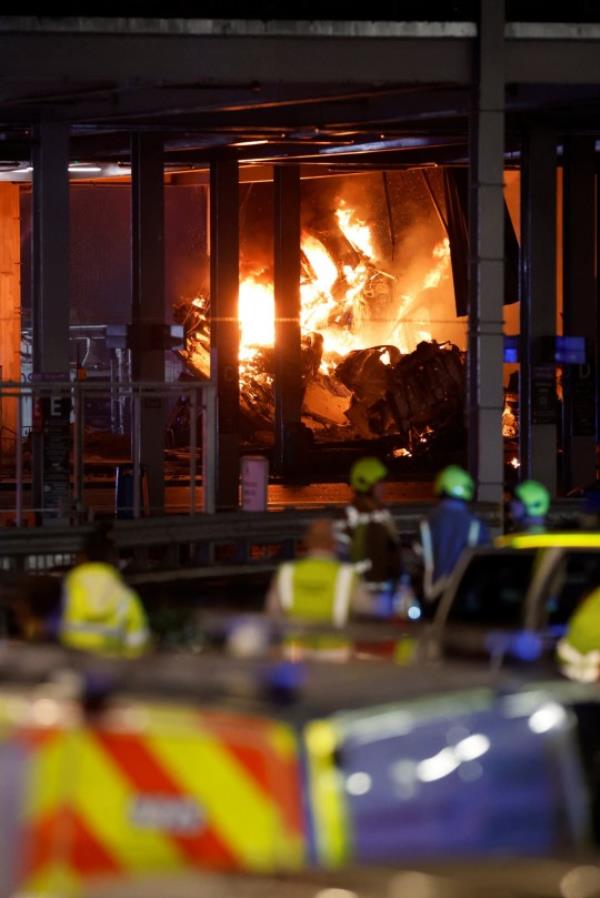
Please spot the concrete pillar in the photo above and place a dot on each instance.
(537, 404)
(288, 361)
(50, 315)
(486, 241)
(224, 324)
(10, 307)
(580, 311)
(148, 304)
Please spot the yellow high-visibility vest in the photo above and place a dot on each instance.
(101, 614)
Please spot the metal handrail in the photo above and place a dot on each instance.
(78, 390)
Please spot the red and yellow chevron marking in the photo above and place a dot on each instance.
(184, 790)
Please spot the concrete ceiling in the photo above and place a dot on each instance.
(349, 94)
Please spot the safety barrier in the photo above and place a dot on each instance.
(50, 419)
(174, 547)
(196, 546)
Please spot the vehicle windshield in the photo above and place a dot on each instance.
(493, 589)
(577, 575)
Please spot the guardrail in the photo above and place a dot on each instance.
(34, 414)
(176, 547)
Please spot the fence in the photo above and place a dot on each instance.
(51, 435)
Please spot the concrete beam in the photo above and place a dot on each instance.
(486, 241)
(224, 324)
(148, 303)
(537, 406)
(50, 316)
(63, 58)
(288, 358)
(580, 311)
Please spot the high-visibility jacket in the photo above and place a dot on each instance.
(100, 613)
(447, 532)
(317, 589)
(579, 650)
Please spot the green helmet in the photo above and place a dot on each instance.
(534, 497)
(365, 473)
(455, 482)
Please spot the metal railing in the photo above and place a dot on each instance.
(37, 400)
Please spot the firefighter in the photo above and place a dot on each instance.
(529, 507)
(450, 528)
(318, 588)
(367, 534)
(100, 613)
(579, 650)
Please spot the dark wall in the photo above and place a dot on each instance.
(101, 246)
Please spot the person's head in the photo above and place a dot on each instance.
(367, 476)
(99, 546)
(454, 483)
(320, 536)
(531, 501)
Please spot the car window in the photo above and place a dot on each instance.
(492, 590)
(577, 574)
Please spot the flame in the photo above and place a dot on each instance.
(256, 310)
(515, 462)
(337, 299)
(509, 423)
(414, 307)
(434, 277)
(356, 232)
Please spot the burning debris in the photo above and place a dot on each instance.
(356, 385)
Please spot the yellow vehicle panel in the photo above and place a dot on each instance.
(150, 789)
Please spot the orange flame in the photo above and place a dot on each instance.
(256, 310)
(335, 299)
(355, 231)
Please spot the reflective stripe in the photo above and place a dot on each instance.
(474, 531)
(136, 639)
(361, 567)
(430, 589)
(377, 516)
(352, 516)
(427, 544)
(285, 583)
(342, 591)
(93, 629)
(328, 799)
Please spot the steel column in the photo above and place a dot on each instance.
(486, 241)
(288, 355)
(148, 305)
(580, 313)
(224, 324)
(537, 401)
(50, 315)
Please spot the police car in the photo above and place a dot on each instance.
(512, 601)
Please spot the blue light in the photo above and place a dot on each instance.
(511, 350)
(414, 612)
(526, 646)
(570, 350)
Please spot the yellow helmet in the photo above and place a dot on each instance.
(454, 482)
(365, 473)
